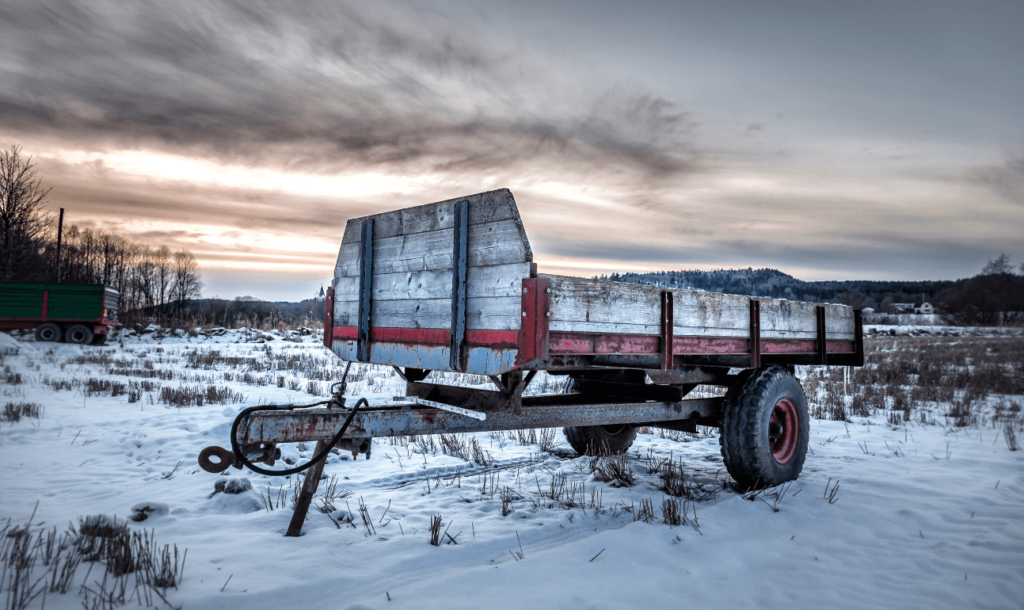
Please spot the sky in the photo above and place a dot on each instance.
(855, 140)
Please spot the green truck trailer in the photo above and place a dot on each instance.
(76, 313)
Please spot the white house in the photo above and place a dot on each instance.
(925, 308)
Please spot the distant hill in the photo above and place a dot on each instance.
(776, 284)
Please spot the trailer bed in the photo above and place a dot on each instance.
(451, 286)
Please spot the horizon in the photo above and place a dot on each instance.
(832, 143)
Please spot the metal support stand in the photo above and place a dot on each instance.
(309, 486)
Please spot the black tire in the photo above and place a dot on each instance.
(99, 340)
(762, 413)
(48, 332)
(79, 334)
(600, 440)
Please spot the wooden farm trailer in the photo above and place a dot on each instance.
(76, 313)
(452, 287)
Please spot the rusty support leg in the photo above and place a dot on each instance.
(309, 485)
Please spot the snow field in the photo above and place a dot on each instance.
(927, 513)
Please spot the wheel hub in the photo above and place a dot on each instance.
(783, 431)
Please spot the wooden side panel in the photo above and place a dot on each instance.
(412, 265)
(492, 243)
(493, 281)
(594, 306)
(481, 314)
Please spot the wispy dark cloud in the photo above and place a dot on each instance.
(310, 85)
(1006, 179)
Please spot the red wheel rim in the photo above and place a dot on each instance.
(783, 431)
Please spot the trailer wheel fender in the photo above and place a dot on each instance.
(48, 332)
(765, 428)
(79, 334)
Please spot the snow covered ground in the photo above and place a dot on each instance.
(922, 515)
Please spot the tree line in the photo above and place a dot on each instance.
(155, 283)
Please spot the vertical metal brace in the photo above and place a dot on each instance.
(365, 291)
(533, 332)
(459, 283)
(329, 319)
(822, 348)
(46, 302)
(858, 338)
(667, 333)
(755, 334)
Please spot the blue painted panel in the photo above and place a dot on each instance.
(481, 360)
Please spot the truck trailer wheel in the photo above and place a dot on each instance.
(48, 332)
(99, 340)
(765, 429)
(600, 440)
(82, 335)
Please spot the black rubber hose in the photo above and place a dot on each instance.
(283, 473)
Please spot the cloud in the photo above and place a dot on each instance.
(304, 85)
(1007, 179)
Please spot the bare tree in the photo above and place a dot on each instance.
(23, 222)
(162, 264)
(998, 265)
(186, 284)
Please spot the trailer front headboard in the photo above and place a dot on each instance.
(433, 287)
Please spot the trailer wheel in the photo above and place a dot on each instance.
(48, 332)
(79, 334)
(600, 440)
(765, 429)
(99, 340)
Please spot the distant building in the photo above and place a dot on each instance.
(867, 311)
(903, 308)
(925, 308)
(321, 296)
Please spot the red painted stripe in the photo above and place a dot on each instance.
(436, 336)
(565, 343)
(574, 343)
(840, 347)
(690, 346)
(628, 344)
(569, 343)
(788, 346)
(46, 302)
(344, 332)
(506, 338)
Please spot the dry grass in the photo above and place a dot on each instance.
(960, 381)
(135, 567)
(14, 411)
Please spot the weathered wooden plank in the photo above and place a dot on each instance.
(492, 243)
(492, 281)
(483, 207)
(584, 305)
(501, 313)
